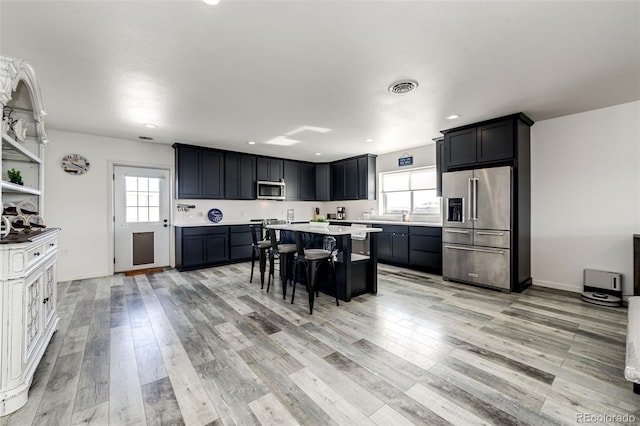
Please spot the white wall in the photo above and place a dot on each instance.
(585, 195)
(80, 205)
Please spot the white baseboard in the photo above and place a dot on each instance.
(558, 286)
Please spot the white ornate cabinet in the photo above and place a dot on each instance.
(28, 284)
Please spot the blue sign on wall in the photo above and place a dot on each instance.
(405, 161)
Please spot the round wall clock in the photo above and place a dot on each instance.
(74, 164)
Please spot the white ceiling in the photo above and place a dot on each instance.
(258, 70)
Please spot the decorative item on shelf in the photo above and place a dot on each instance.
(15, 127)
(26, 208)
(215, 215)
(19, 223)
(14, 176)
(75, 164)
(5, 226)
(35, 221)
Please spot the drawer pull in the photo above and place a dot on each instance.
(495, 234)
(483, 250)
(46, 299)
(455, 231)
(36, 253)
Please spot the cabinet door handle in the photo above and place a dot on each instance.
(46, 299)
(495, 234)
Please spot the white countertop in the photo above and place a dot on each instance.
(391, 222)
(364, 221)
(328, 230)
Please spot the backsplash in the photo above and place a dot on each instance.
(245, 210)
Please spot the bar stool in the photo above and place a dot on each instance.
(260, 248)
(285, 252)
(312, 260)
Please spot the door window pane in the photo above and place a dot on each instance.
(142, 192)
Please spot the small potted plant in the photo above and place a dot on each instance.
(15, 177)
(320, 221)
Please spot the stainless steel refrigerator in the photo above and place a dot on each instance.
(477, 226)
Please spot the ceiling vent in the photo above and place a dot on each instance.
(403, 86)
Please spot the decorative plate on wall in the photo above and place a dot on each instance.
(74, 164)
(215, 215)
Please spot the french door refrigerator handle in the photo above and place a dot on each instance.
(470, 195)
(483, 250)
(475, 198)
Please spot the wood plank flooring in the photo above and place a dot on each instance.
(207, 347)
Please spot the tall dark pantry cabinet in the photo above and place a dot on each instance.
(500, 142)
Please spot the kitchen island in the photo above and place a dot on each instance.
(356, 273)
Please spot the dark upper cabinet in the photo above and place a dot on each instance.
(323, 182)
(495, 141)
(270, 169)
(189, 176)
(367, 177)
(351, 179)
(212, 174)
(439, 144)
(240, 176)
(460, 147)
(489, 142)
(337, 180)
(292, 180)
(307, 181)
(200, 173)
(354, 178)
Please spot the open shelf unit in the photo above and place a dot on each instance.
(28, 281)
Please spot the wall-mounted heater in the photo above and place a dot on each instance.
(602, 287)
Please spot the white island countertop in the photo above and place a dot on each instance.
(325, 230)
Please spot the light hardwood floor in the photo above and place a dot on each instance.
(207, 347)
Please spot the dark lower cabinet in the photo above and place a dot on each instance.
(425, 248)
(393, 244)
(416, 247)
(204, 246)
(201, 245)
(240, 242)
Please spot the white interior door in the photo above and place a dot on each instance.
(141, 218)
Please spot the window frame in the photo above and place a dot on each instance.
(383, 194)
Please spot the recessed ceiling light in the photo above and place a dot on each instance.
(368, 140)
(150, 126)
(251, 143)
(452, 117)
(318, 153)
(403, 86)
(211, 2)
(145, 138)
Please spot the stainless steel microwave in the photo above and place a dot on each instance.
(271, 190)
